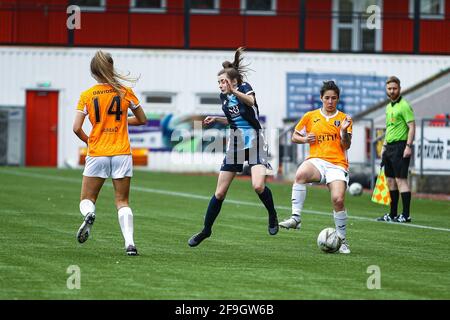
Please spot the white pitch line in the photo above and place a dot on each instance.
(207, 198)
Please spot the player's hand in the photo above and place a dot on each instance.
(229, 87)
(209, 120)
(407, 153)
(310, 138)
(346, 123)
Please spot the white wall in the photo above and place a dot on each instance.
(357, 151)
(186, 73)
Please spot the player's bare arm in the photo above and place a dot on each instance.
(78, 127)
(302, 139)
(211, 119)
(139, 117)
(346, 138)
(411, 133)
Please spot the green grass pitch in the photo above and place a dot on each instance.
(40, 217)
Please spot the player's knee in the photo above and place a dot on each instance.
(259, 187)
(338, 202)
(220, 195)
(300, 178)
(402, 185)
(392, 184)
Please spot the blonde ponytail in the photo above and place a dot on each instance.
(102, 68)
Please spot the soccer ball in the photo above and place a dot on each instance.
(328, 241)
(355, 189)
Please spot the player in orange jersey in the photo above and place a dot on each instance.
(109, 154)
(328, 133)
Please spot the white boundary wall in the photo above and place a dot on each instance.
(188, 73)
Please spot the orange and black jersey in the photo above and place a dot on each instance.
(108, 114)
(328, 136)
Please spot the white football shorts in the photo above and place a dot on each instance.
(329, 172)
(116, 167)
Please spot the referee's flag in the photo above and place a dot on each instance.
(381, 191)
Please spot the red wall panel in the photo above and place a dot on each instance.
(435, 36)
(288, 6)
(318, 25)
(31, 26)
(232, 5)
(398, 30)
(98, 28)
(41, 25)
(157, 30)
(272, 32)
(57, 28)
(7, 25)
(113, 5)
(118, 27)
(44, 22)
(175, 6)
(32, 22)
(398, 35)
(220, 31)
(7, 21)
(398, 27)
(230, 28)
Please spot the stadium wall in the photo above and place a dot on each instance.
(185, 74)
(289, 27)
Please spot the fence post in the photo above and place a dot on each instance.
(372, 154)
(421, 147)
(187, 23)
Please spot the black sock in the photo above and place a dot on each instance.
(211, 214)
(406, 200)
(267, 199)
(394, 202)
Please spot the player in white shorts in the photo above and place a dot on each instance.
(329, 172)
(116, 167)
(109, 153)
(328, 132)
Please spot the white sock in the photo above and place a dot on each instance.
(126, 225)
(340, 221)
(86, 206)
(298, 199)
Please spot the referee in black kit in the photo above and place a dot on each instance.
(397, 150)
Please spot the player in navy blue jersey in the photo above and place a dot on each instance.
(246, 143)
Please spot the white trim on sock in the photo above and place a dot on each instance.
(125, 216)
(86, 206)
(298, 199)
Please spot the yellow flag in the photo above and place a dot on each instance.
(381, 191)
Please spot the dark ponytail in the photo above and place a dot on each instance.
(235, 70)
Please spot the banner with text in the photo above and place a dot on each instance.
(358, 92)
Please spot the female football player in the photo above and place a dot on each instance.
(328, 133)
(108, 155)
(246, 143)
